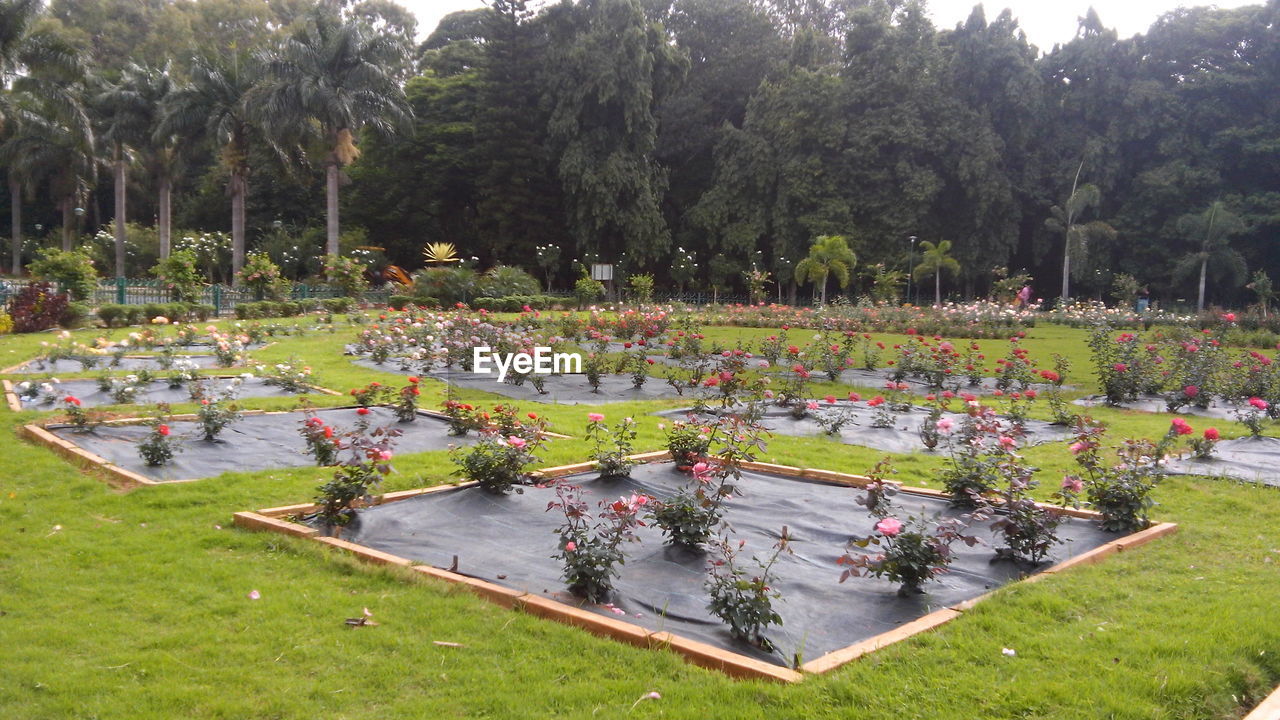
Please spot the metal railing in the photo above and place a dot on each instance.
(223, 298)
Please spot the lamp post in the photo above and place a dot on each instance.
(911, 258)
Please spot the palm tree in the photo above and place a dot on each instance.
(934, 260)
(829, 255)
(126, 112)
(218, 105)
(1212, 230)
(1065, 220)
(28, 54)
(337, 76)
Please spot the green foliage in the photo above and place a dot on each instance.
(936, 260)
(345, 275)
(72, 269)
(180, 276)
(587, 291)
(641, 288)
(829, 255)
(505, 280)
(448, 284)
(263, 277)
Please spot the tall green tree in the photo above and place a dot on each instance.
(607, 72)
(828, 256)
(1067, 221)
(936, 259)
(218, 106)
(337, 76)
(1211, 231)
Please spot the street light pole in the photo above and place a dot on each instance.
(911, 258)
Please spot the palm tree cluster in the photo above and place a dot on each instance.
(332, 76)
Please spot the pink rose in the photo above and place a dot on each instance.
(889, 527)
(516, 442)
(1259, 403)
(1072, 484)
(1077, 448)
(570, 546)
(595, 417)
(945, 425)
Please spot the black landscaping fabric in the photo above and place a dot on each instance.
(1247, 458)
(903, 437)
(257, 442)
(131, 362)
(877, 378)
(509, 540)
(157, 391)
(1156, 404)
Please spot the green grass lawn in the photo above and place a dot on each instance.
(135, 604)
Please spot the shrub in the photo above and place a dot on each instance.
(6, 323)
(158, 447)
(399, 302)
(743, 597)
(72, 269)
(345, 275)
(590, 553)
(37, 307)
(1120, 492)
(448, 284)
(179, 274)
(611, 448)
(263, 277)
(76, 314)
(338, 305)
(496, 463)
(360, 473)
(912, 552)
(587, 291)
(505, 280)
(641, 288)
(113, 315)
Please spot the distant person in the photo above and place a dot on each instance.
(1144, 299)
(1024, 297)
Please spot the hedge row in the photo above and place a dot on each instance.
(290, 308)
(114, 315)
(510, 303)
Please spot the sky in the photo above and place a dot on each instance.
(1046, 22)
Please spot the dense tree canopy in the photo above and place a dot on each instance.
(736, 131)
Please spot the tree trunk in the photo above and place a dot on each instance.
(238, 189)
(66, 222)
(120, 188)
(164, 220)
(331, 207)
(15, 213)
(1204, 265)
(1066, 268)
(937, 288)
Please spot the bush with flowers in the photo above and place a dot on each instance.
(345, 275)
(1253, 414)
(912, 552)
(76, 414)
(372, 394)
(498, 463)
(291, 375)
(590, 548)
(262, 276)
(977, 455)
(217, 413)
(1202, 447)
(406, 405)
(323, 440)
(158, 446)
(463, 417)
(358, 475)
(743, 597)
(1120, 492)
(611, 446)
(688, 442)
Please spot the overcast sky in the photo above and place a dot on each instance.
(1045, 21)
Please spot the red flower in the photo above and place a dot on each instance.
(875, 401)
(328, 431)
(413, 379)
(1181, 427)
(1211, 434)
(362, 411)
(163, 430)
(72, 400)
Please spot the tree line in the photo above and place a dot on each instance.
(709, 141)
